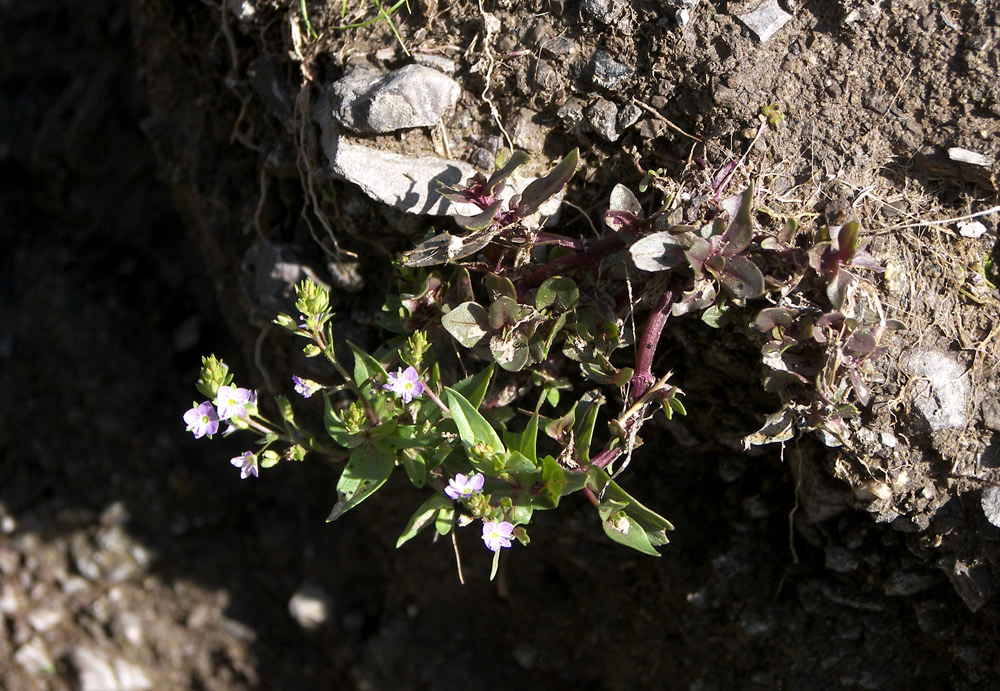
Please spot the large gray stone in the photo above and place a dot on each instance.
(366, 100)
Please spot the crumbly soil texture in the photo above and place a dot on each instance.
(161, 158)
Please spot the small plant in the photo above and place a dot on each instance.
(507, 343)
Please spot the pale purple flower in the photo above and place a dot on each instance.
(405, 383)
(497, 534)
(247, 463)
(202, 420)
(460, 486)
(233, 402)
(305, 387)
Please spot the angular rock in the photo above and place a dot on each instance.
(942, 395)
(607, 72)
(97, 671)
(990, 502)
(605, 11)
(365, 100)
(602, 115)
(765, 19)
(406, 183)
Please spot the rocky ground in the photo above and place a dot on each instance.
(159, 158)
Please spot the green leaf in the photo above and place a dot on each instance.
(481, 220)
(337, 429)
(366, 471)
(497, 286)
(559, 292)
(624, 529)
(425, 516)
(510, 350)
(286, 412)
(496, 564)
(366, 367)
(583, 430)
(543, 189)
(516, 160)
(416, 469)
(474, 387)
(467, 323)
(601, 484)
(472, 426)
(526, 441)
(505, 311)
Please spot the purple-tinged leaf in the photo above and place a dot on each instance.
(660, 251)
(770, 317)
(740, 232)
(861, 389)
(699, 251)
(742, 278)
(622, 199)
(845, 241)
(543, 189)
(862, 343)
(722, 177)
(836, 290)
(698, 298)
(866, 261)
(619, 220)
(481, 220)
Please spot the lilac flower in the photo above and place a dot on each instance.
(305, 387)
(497, 535)
(233, 402)
(202, 420)
(405, 383)
(460, 486)
(247, 463)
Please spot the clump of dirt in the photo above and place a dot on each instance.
(132, 557)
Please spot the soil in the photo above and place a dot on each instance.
(155, 153)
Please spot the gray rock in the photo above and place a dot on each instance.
(244, 10)
(605, 11)
(628, 115)
(942, 391)
(765, 19)
(991, 504)
(970, 580)
(840, 559)
(365, 100)
(436, 62)
(902, 582)
(607, 72)
(571, 113)
(602, 116)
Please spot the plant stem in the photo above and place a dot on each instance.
(591, 254)
(643, 377)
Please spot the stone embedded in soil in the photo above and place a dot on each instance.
(602, 116)
(991, 504)
(942, 390)
(607, 72)
(310, 606)
(971, 581)
(412, 96)
(605, 11)
(98, 671)
(765, 20)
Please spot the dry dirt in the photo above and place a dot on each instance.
(142, 160)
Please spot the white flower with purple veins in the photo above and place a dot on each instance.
(233, 402)
(461, 487)
(305, 387)
(247, 463)
(497, 534)
(406, 384)
(202, 420)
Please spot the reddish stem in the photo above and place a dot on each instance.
(591, 254)
(643, 377)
